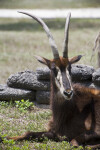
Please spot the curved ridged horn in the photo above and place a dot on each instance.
(51, 40)
(65, 51)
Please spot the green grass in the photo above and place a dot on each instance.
(48, 4)
(14, 122)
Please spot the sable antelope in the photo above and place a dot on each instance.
(75, 108)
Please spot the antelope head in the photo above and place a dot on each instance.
(60, 65)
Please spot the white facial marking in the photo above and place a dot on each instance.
(68, 76)
(59, 83)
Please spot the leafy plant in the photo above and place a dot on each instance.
(4, 103)
(24, 105)
(10, 145)
(9, 142)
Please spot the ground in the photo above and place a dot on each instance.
(16, 122)
(48, 4)
(20, 40)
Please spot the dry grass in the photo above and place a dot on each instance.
(47, 4)
(17, 48)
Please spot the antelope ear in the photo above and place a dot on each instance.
(43, 60)
(75, 59)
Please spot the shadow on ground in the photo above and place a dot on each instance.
(29, 25)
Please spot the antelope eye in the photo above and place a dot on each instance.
(55, 71)
(69, 68)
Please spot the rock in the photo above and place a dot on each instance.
(43, 73)
(94, 86)
(7, 93)
(79, 73)
(82, 73)
(43, 97)
(96, 77)
(39, 82)
(27, 80)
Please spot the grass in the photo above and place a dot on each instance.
(20, 40)
(48, 4)
(14, 122)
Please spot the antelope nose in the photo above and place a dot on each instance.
(68, 93)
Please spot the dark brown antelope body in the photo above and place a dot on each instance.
(79, 118)
(75, 108)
